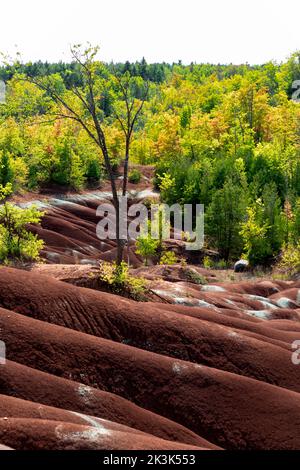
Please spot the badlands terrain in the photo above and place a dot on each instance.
(196, 366)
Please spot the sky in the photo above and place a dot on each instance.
(215, 31)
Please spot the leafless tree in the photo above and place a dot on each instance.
(90, 116)
(128, 119)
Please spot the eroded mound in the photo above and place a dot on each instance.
(171, 376)
(69, 228)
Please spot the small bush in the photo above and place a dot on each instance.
(166, 186)
(168, 257)
(280, 276)
(207, 262)
(195, 278)
(118, 279)
(290, 259)
(149, 201)
(146, 246)
(16, 242)
(134, 176)
(222, 264)
(94, 171)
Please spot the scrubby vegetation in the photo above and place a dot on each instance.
(168, 257)
(194, 277)
(134, 176)
(290, 260)
(119, 281)
(16, 242)
(146, 246)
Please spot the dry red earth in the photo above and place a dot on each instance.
(89, 370)
(69, 225)
(200, 366)
(69, 231)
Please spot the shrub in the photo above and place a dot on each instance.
(134, 176)
(77, 178)
(6, 169)
(20, 172)
(118, 279)
(146, 246)
(62, 168)
(224, 217)
(280, 276)
(207, 262)
(168, 257)
(221, 264)
(290, 259)
(166, 186)
(94, 171)
(194, 277)
(68, 169)
(149, 201)
(16, 242)
(266, 227)
(254, 232)
(294, 222)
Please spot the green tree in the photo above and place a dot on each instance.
(16, 242)
(224, 218)
(146, 246)
(83, 105)
(254, 232)
(6, 169)
(93, 172)
(273, 217)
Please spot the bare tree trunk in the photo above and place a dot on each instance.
(120, 243)
(125, 173)
(115, 197)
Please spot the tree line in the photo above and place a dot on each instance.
(226, 136)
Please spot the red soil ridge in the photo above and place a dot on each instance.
(89, 370)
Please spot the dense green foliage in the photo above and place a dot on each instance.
(168, 257)
(146, 247)
(222, 135)
(16, 242)
(134, 176)
(118, 279)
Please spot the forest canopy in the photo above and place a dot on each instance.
(226, 136)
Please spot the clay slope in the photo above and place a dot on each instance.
(19, 381)
(40, 434)
(68, 228)
(255, 351)
(91, 370)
